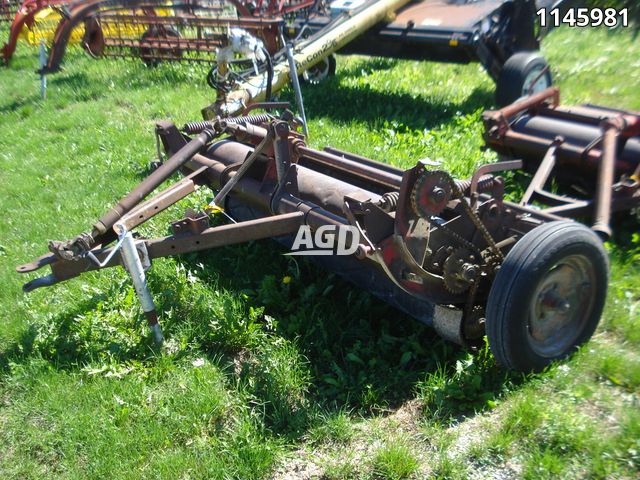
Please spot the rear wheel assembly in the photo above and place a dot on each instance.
(548, 296)
(523, 74)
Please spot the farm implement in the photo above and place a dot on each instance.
(499, 34)
(245, 42)
(155, 31)
(455, 254)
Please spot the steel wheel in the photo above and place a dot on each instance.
(523, 74)
(536, 81)
(561, 305)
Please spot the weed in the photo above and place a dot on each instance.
(394, 461)
(473, 384)
(332, 427)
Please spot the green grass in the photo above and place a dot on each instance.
(394, 461)
(259, 377)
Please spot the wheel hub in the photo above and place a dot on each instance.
(560, 305)
(535, 82)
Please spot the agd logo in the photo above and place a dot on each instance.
(327, 240)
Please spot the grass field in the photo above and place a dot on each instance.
(261, 377)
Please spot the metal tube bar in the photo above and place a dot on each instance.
(605, 181)
(364, 160)
(534, 145)
(191, 20)
(390, 180)
(532, 101)
(150, 183)
(296, 87)
(487, 169)
(542, 174)
(219, 198)
(269, 226)
(162, 201)
(231, 234)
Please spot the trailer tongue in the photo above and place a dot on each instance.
(452, 253)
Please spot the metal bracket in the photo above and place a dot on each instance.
(194, 223)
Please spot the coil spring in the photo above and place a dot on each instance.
(485, 183)
(389, 201)
(193, 128)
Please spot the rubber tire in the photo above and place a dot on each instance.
(516, 281)
(331, 72)
(514, 73)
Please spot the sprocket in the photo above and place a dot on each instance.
(460, 270)
(474, 325)
(431, 193)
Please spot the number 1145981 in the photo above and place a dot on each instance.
(584, 17)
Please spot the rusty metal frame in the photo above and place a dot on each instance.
(84, 11)
(600, 156)
(426, 236)
(293, 185)
(213, 237)
(265, 21)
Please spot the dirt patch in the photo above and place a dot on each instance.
(300, 467)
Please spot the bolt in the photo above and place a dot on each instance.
(469, 272)
(438, 194)
(281, 129)
(363, 251)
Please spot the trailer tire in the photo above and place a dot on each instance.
(320, 72)
(517, 75)
(548, 296)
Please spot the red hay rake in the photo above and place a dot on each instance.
(153, 30)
